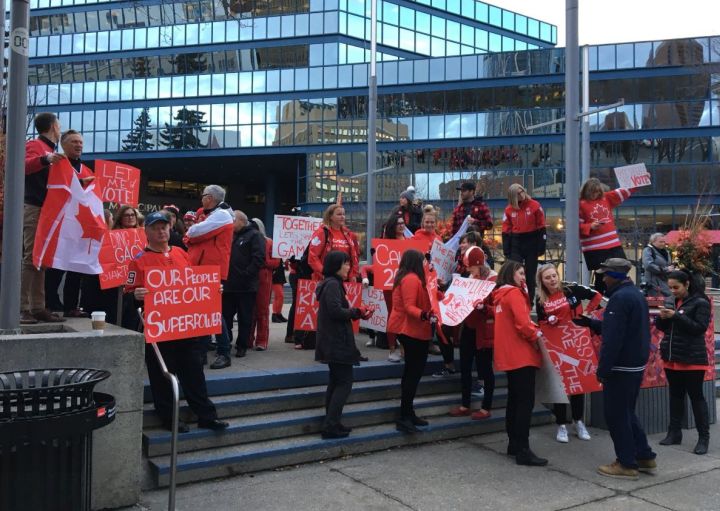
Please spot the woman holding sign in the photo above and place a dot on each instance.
(335, 340)
(333, 235)
(557, 304)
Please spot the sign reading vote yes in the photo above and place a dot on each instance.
(306, 304)
(182, 303)
(120, 182)
(291, 235)
(632, 176)
(387, 259)
(119, 247)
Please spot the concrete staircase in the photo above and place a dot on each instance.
(275, 420)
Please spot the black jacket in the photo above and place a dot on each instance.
(412, 216)
(684, 339)
(335, 338)
(247, 256)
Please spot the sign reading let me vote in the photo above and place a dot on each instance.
(120, 182)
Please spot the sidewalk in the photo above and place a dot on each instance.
(469, 474)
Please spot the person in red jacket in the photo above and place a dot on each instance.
(518, 354)
(259, 338)
(599, 238)
(333, 235)
(428, 229)
(557, 304)
(412, 319)
(523, 232)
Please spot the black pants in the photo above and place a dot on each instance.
(526, 253)
(686, 382)
(242, 304)
(184, 360)
(53, 278)
(338, 389)
(593, 258)
(520, 403)
(484, 361)
(71, 290)
(468, 355)
(290, 327)
(448, 350)
(577, 409)
(416, 353)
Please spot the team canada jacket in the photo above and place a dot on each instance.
(516, 336)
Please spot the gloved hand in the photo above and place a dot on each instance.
(365, 282)
(582, 321)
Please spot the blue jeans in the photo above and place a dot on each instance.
(620, 393)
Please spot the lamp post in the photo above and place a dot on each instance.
(371, 123)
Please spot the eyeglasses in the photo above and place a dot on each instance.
(205, 195)
(129, 215)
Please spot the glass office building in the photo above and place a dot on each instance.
(269, 98)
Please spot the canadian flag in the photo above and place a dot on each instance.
(72, 223)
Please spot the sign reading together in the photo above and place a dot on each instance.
(291, 235)
(119, 247)
(120, 182)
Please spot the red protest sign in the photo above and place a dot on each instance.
(182, 303)
(572, 353)
(387, 258)
(120, 182)
(306, 305)
(119, 247)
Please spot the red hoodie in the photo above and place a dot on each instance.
(409, 300)
(516, 335)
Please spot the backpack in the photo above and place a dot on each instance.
(304, 271)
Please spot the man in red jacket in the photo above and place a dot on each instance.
(40, 153)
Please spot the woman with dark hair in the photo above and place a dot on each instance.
(335, 340)
(411, 319)
(408, 210)
(394, 228)
(518, 354)
(685, 354)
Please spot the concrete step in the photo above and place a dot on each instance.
(239, 459)
(292, 423)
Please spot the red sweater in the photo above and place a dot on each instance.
(409, 300)
(516, 335)
(600, 210)
(324, 240)
(529, 217)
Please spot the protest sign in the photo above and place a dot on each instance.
(182, 302)
(374, 300)
(461, 297)
(119, 247)
(387, 258)
(549, 387)
(292, 234)
(443, 259)
(573, 356)
(632, 176)
(120, 182)
(306, 304)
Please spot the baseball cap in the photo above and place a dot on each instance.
(156, 216)
(616, 265)
(467, 185)
(172, 208)
(474, 256)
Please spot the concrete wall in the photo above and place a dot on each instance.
(117, 454)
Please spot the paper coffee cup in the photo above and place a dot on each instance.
(98, 321)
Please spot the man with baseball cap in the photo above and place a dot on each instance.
(625, 330)
(184, 357)
(473, 206)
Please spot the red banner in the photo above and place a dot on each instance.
(387, 258)
(120, 182)
(306, 304)
(572, 352)
(182, 303)
(119, 247)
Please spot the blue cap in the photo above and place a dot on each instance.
(156, 216)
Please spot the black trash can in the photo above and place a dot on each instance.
(47, 417)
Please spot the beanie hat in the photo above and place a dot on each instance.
(190, 215)
(474, 256)
(408, 194)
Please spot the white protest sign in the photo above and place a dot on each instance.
(374, 300)
(632, 176)
(291, 235)
(443, 259)
(461, 297)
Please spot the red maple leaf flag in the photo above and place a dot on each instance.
(71, 225)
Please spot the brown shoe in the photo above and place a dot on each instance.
(76, 313)
(26, 318)
(45, 316)
(618, 471)
(647, 466)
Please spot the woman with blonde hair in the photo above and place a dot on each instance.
(428, 226)
(523, 232)
(334, 235)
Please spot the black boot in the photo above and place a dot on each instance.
(702, 423)
(527, 457)
(674, 434)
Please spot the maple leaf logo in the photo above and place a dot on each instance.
(93, 226)
(600, 213)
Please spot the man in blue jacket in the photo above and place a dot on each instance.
(625, 331)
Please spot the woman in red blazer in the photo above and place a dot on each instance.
(518, 354)
(411, 319)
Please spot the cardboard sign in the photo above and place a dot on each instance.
(443, 259)
(119, 247)
(182, 303)
(120, 182)
(632, 176)
(572, 353)
(307, 306)
(292, 234)
(549, 386)
(461, 297)
(375, 300)
(387, 258)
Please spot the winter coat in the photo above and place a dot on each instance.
(324, 240)
(37, 169)
(208, 241)
(478, 210)
(412, 216)
(335, 339)
(247, 257)
(524, 227)
(655, 263)
(516, 336)
(409, 300)
(684, 339)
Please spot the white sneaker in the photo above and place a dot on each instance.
(581, 431)
(370, 343)
(394, 357)
(562, 435)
